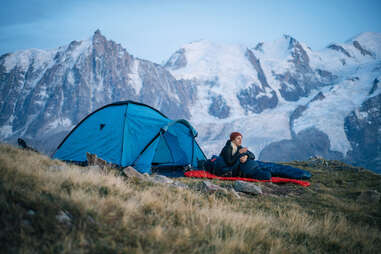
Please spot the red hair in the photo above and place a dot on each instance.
(233, 135)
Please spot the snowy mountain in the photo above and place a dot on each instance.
(289, 102)
(46, 93)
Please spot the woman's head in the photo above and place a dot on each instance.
(236, 138)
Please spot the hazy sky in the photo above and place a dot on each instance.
(154, 30)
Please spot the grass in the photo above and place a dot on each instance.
(107, 213)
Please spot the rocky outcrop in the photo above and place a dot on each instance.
(177, 60)
(340, 49)
(363, 130)
(218, 107)
(305, 144)
(247, 187)
(257, 97)
(300, 81)
(363, 51)
(375, 86)
(299, 111)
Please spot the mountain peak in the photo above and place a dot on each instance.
(292, 42)
(366, 36)
(98, 32)
(98, 36)
(177, 60)
(368, 43)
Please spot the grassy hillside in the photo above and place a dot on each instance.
(47, 206)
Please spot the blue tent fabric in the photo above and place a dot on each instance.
(132, 134)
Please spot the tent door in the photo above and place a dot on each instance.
(169, 151)
(163, 154)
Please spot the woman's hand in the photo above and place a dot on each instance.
(243, 150)
(243, 159)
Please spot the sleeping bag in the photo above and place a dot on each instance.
(253, 169)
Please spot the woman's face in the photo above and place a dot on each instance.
(238, 140)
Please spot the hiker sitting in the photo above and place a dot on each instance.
(239, 161)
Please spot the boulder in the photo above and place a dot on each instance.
(64, 217)
(161, 179)
(31, 212)
(211, 188)
(130, 172)
(94, 160)
(369, 196)
(235, 194)
(247, 187)
(179, 185)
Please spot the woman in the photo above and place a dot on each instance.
(242, 162)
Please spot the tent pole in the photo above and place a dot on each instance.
(145, 148)
(124, 127)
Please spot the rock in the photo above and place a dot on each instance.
(179, 185)
(26, 222)
(247, 187)
(210, 187)
(318, 187)
(91, 220)
(235, 194)
(161, 179)
(64, 217)
(94, 160)
(130, 172)
(369, 196)
(31, 212)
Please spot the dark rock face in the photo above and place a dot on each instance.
(363, 130)
(43, 104)
(177, 61)
(218, 107)
(303, 145)
(307, 143)
(363, 51)
(340, 49)
(250, 101)
(257, 98)
(376, 83)
(299, 56)
(292, 87)
(319, 97)
(325, 76)
(259, 46)
(161, 90)
(300, 82)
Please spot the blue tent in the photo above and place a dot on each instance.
(132, 134)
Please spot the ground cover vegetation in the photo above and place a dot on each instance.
(47, 206)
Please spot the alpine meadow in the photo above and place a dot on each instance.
(48, 207)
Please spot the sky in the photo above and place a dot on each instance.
(154, 30)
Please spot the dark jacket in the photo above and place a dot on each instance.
(229, 158)
(230, 161)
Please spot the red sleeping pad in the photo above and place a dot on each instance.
(206, 174)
